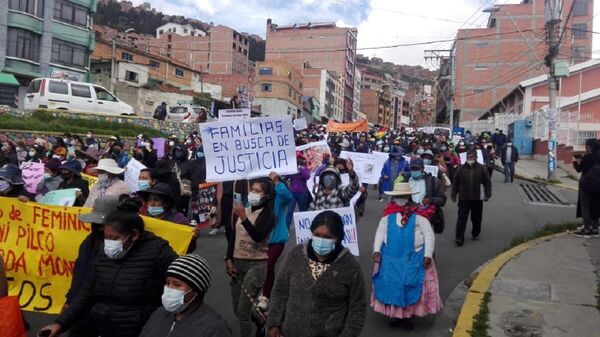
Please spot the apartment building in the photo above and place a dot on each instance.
(278, 89)
(317, 45)
(491, 61)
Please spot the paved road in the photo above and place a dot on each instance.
(505, 216)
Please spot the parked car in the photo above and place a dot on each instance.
(49, 93)
(183, 113)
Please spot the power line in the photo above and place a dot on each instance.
(362, 4)
(500, 84)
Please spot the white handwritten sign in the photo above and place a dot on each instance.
(300, 124)
(132, 174)
(33, 174)
(234, 113)
(303, 220)
(367, 165)
(64, 197)
(432, 169)
(248, 148)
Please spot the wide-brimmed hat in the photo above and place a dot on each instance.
(90, 153)
(401, 189)
(12, 173)
(72, 166)
(53, 164)
(158, 189)
(427, 152)
(102, 207)
(108, 165)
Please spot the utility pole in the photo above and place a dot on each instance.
(440, 56)
(553, 9)
(113, 65)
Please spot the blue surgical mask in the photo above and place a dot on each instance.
(199, 154)
(427, 161)
(416, 175)
(154, 211)
(47, 176)
(143, 185)
(322, 246)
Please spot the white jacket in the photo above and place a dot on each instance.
(423, 234)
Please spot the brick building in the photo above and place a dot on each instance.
(328, 89)
(317, 45)
(278, 89)
(490, 61)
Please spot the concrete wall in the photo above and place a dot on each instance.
(275, 107)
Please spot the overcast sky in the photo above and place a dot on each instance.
(379, 22)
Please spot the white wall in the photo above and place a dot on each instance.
(215, 90)
(275, 107)
(140, 70)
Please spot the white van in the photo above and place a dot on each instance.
(50, 93)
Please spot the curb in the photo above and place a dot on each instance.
(483, 281)
(533, 180)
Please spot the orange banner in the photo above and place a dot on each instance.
(359, 126)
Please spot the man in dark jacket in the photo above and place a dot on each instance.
(467, 186)
(160, 112)
(510, 156)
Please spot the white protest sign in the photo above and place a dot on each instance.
(303, 220)
(248, 148)
(64, 197)
(300, 124)
(132, 174)
(432, 169)
(463, 157)
(234, 113)
(355, 198)
(367, 165)
(456, 139)
(33, 174)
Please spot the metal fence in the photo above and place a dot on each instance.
(573, 128)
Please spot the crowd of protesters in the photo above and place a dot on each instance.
(129, 282)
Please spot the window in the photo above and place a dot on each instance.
(245, 52)
(70, 13)
(478, 91)
(578, 53)
(480, 67)
(481, 44)
(580, 8)
(266, 87)
(154, 64)
(234, 46)
(23, 44)
(289, 75)
(69, 54)
(290, 91)
(103, 95)
(126, 57)
(34, 87)
(160, 32)
(289, 111)
(580, 30)
(179, 72)
(239, 49)
(33, 7)
(131, 76)
(185, 30)
(81, 91)
(265, 71)
(57, 87)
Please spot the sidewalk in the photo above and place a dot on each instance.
(529, 169)
(550, 289)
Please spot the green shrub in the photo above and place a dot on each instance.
(46, 122)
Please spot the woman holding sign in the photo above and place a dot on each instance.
(320, 289)
(247, 248)
(405, 282)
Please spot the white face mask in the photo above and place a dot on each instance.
(31, 153)
(171, 143)
(114, 249)
(254, 199)
(102, 177)
(401, 201)
(470, 162)
(173, 300)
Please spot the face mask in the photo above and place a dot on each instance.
(329, 181)
(4, 185)
(66, 140)
(401, 201)
(470, 162)
(443, 148)
(509, 144)
(386, 149)
(114, 249)
(102, 177)
(420, 151)
(171, 143)
(138, 156)
(416, 175)
(56, 156)
(199, 154)
(154, 211)
(143, 185)
(47, 176)
(143, 144)
(173, 300)
(89, 136)
(254, 199)
(322, 246)
(427, 161)
(32, 153)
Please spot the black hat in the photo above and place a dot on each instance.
(12, 173)
(73, 166)
(158, 189)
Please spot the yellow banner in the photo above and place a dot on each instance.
(39, 245)
(90, 179)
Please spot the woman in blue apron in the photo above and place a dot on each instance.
(405, 283)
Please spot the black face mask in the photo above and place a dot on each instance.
(66, 176)
(138, 156)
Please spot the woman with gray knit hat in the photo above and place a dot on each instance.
(184, 312)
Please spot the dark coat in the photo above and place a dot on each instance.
(468, 181)
(333, 305)
(88, 251)
(202, 321)
(120, 295)
(514, 156)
